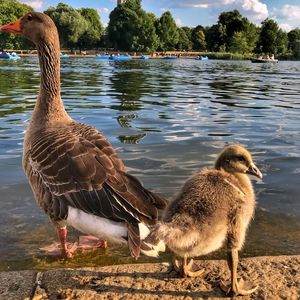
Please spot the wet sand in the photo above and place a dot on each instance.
(277, 278)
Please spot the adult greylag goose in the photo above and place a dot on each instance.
(74, 172)
(213, 207)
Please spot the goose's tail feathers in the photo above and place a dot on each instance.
(151, 245)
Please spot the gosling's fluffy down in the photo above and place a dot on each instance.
(213, 206)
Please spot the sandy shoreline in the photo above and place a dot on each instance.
(278, 277)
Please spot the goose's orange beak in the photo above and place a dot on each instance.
(13, 27)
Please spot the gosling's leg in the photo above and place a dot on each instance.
(186, 269)
(235, 287)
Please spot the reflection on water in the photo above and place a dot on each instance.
(167, 119)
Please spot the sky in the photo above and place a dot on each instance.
(196, 12)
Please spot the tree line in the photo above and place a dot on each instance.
(131, 28)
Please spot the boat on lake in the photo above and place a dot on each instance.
(7, 55)
(264, 60)
(144, 57)
(102, 56)
(64, 56)
(202, 58)
(120, 57)
(170, 57)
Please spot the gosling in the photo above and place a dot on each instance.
(213, 207)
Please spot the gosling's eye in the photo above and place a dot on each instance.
(241, 158)
(29, 18)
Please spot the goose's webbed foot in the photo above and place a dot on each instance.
(67, 250)
(88, 242)
(55, 249)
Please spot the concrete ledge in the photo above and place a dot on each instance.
(16, 285)
(277, 277)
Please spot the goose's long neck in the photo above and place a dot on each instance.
(49, 106)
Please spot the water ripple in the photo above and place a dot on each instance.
(166, 119)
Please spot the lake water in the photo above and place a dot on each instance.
(166, 119)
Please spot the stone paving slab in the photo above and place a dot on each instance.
(277, 278)
(16, 285)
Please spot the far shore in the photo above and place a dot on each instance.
(277, 277)
(137, 55)
(216, 56)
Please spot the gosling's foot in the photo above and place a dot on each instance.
(187, 270)
(239, 288)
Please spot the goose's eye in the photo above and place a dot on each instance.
(29, 18)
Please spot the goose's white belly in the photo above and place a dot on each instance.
(101, 228)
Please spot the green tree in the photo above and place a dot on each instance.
(166, 29)
(238, 43)
(272, 39)
(293, 36)
(229, 23)
(282, 42)
(11, 10)
(212, 37)
(198, 38)
(185, 38)
(244, 41)
(294, 42)
(92, 36)
(222, 38)
(130, 28)
(296, 49)
(147, 39)
(122, 27)
(70, 24)
(251, 33)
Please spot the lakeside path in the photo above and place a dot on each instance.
(277, 277)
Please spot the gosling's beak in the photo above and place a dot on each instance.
(13, 27)
(253, 170)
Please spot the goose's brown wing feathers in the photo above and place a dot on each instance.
(75, 165)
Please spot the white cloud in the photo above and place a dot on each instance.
(35, 4)
(103, 10)
(286, 27)
(204, 5)
(258, 10)
(290, 12)
(255, 10)
(178, 22)
(288, 17)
